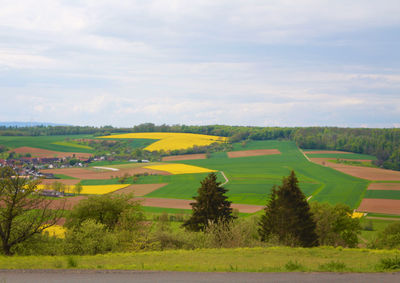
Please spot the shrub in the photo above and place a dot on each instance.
(390, 263)
(89, 238)
(292, 266)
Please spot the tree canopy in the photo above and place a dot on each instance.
(287, 216)
(211, 205)
(23, 212)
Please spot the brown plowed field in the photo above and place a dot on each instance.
(158, 202)
(255, 152)
(44, 153)
(368, 173)
(185, 204)
(326, 152)
(387, 206)
(184, 157)
(384, 186)
(68, 182)
(140, 190)
(84, 173)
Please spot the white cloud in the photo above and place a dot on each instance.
(234, 62)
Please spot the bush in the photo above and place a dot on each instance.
(89, 238)
(390, 237)
(390, 263)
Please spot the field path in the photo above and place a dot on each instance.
(226, 179)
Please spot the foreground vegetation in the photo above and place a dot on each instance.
(267, 259)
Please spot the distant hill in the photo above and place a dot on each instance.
(29, 124)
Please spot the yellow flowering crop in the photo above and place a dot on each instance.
(176, 168)
(171, 141)
(56, 231)
(91, 190)
(102, 189)
(357, 215)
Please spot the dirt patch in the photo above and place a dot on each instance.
(327, 152)
(386, 206)
(255, 152)
(368, 173)
(68, 182)
(156, 202)
(44, 153)
(88, 173)
(185, 204)
(384, 186)
(185, 157)
(140, 190)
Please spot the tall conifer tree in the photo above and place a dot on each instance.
(211, 205)
(287, 216)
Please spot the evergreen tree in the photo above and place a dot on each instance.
(287, 216)
(210, 205)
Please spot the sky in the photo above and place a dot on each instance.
(255, 63)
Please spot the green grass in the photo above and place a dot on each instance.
(252, 178)
(97, 182)
(354, 163)
(70, 144)
(160, 210)
(381, 194)
(108, 163)
(141, 143)
(383, 215)
(274, 259)
(378, 226)
(45, 142)
(62, 176)
(342, 156)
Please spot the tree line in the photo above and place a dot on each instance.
(382, 143)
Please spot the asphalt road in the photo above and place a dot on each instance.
(86, 276)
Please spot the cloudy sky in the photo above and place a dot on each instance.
(265, 63)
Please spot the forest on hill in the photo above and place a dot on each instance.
(382, 143)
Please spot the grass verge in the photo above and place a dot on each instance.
(272, 259)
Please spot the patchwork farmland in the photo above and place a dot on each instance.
(249, 171)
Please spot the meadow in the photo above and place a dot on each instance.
(56, 143)
(252, 178)
(268, 259)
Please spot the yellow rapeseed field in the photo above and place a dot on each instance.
(171, 141)
(91, 190)
(177, 168)
(56, 231)
(102, 189)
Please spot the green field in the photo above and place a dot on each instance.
(272, 259)
(342, 156)
(251, 178)
(56, 143)
(382, 194)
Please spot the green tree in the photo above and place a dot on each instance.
(89, 238)
(78, 188)
(107, 210)
(211, 205)
(287, 216)
(23, 212)
(390, 237)
(335, 226)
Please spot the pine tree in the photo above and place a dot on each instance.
(287, 216)
(211, 205)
